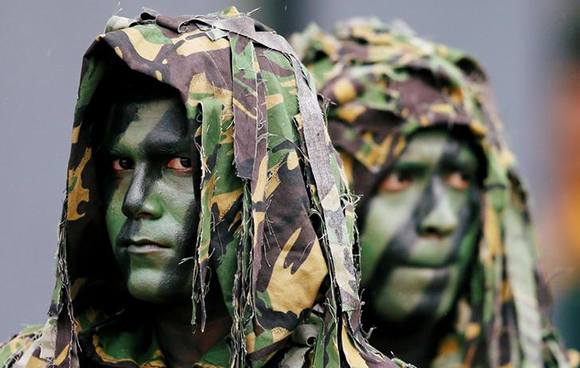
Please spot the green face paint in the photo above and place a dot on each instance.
(421, 228)
(149, 198)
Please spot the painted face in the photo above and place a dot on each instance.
(421, 228)
(149, 198)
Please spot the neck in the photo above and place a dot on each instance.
(181, 345)
(415, 340)
(416, 346)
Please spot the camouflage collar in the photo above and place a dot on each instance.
(126, 341)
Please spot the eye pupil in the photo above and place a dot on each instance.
(400, 176)
(185, 162)
(125, 164)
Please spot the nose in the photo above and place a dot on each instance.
(140, 201)
(441, 220)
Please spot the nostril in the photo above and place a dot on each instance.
(143, 215)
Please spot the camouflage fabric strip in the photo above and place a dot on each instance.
(245, 105)
(520, 268)
(251, 131)
(245, 26)
(327, 353)
(317, 146)
(28, 359)
(211, 112)
(318, 151)
(18, 346)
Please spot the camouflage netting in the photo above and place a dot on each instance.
(276, 217)
(385, 84)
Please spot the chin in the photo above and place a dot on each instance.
(415, 296)
(157, 287)
(400, 315)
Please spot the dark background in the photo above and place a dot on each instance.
(522, 43)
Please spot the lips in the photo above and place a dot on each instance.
(433, 253)
(143, 246)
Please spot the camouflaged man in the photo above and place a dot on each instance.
(200, 170)
(448, 250)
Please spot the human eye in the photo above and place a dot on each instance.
(180, 164)
(459, 180)
(396, 181)
(122, 164)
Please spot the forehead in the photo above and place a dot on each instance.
(432, 146)
(135, 122)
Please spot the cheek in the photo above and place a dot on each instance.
(387, 214)
(448, 294)
(179, 202)
(409, 290)
(114, 217)
(468, 229)
(468, 245)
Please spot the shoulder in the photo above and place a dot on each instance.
(19, 345)
(574, 358)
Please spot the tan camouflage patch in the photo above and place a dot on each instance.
(147, 50)
(77, 193)
(310, 273)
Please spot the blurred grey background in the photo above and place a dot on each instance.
(520, 42)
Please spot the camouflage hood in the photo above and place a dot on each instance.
(384, 84)
(275, 215)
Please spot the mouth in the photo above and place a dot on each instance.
(434, 253)
(428, 267)
(433, 264)
(144, 246)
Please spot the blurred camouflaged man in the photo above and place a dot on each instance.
(200, 170)
(448, 251)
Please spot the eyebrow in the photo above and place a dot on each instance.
(458, 164)
(168, 143)
(115, 150)
(410, 165)
(160, 144)
(452, 158)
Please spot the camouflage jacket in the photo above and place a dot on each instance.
(278, 224)
(374, 75)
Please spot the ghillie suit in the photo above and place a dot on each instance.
(384, 84)
(275, 215)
